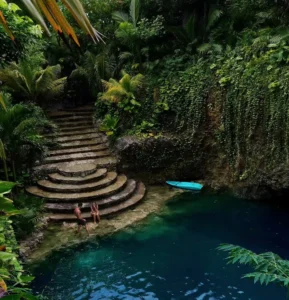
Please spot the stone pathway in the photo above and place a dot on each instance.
(82, 169)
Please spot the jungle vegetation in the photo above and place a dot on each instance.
(153, 67)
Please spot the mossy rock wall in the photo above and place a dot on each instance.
(155, 160)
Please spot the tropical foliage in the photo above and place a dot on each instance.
(29, 83)
(27, 33)
(57, 20)
(268, 267)
(13, 280)
(21, 128)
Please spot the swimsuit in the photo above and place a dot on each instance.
(81, 222)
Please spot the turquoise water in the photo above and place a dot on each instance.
(171, 256)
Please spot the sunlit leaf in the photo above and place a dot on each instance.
(3, 285)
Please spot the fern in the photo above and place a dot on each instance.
(268, 267)
(123, 91)
(213, 18)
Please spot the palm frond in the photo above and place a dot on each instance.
(204, 48)
(125, 82)
(77, 11)
(120, 16)
(125, 56)
(36, 15)
(114, 94)
(58, 87)
(15, 81)
(137, 82)
(214, 16)
(56, 18)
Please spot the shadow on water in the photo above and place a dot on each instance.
(171, 255)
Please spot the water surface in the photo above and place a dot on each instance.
(172, 255)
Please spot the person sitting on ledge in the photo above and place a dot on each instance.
(80, 221)
(95, 212)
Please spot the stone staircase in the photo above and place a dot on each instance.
(81, 169)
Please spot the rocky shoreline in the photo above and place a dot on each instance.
(57, 236)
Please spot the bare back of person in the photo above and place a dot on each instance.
(77, 213)
(80, 221)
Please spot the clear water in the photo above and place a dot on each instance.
(171, 256)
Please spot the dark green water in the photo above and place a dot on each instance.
(172, 255)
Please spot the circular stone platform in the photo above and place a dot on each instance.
(75, 169)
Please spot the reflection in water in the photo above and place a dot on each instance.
(171, 256)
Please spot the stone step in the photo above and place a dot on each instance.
(65, 114)
(96, 148)
(118, 185)
(73, 133)
(73, 119)
(82, 137)
(76, 170)
(126, 193)
(49, 186)
(88, 108)
(131, 202)
(74, 124)
(104, 162)
(80, 144)
(74, 128)
(58, 178)
(76, 156)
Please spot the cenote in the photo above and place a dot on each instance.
(172, 255)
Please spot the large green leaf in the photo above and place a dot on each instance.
(7, 207)
(12, 297)
(4, 256)
(135, 11)
(6, 186)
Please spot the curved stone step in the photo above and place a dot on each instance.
(123, 195)
(79, 144)
(76, 156)
(74, 170)
(96, 148)
(74, 128)
(82, 137)
(129, 203)
(108, 162)
(58, 178)
(80, 197)
(49, 186)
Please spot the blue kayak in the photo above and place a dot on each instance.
(191, 186)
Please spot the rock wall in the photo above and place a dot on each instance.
(155, 160)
